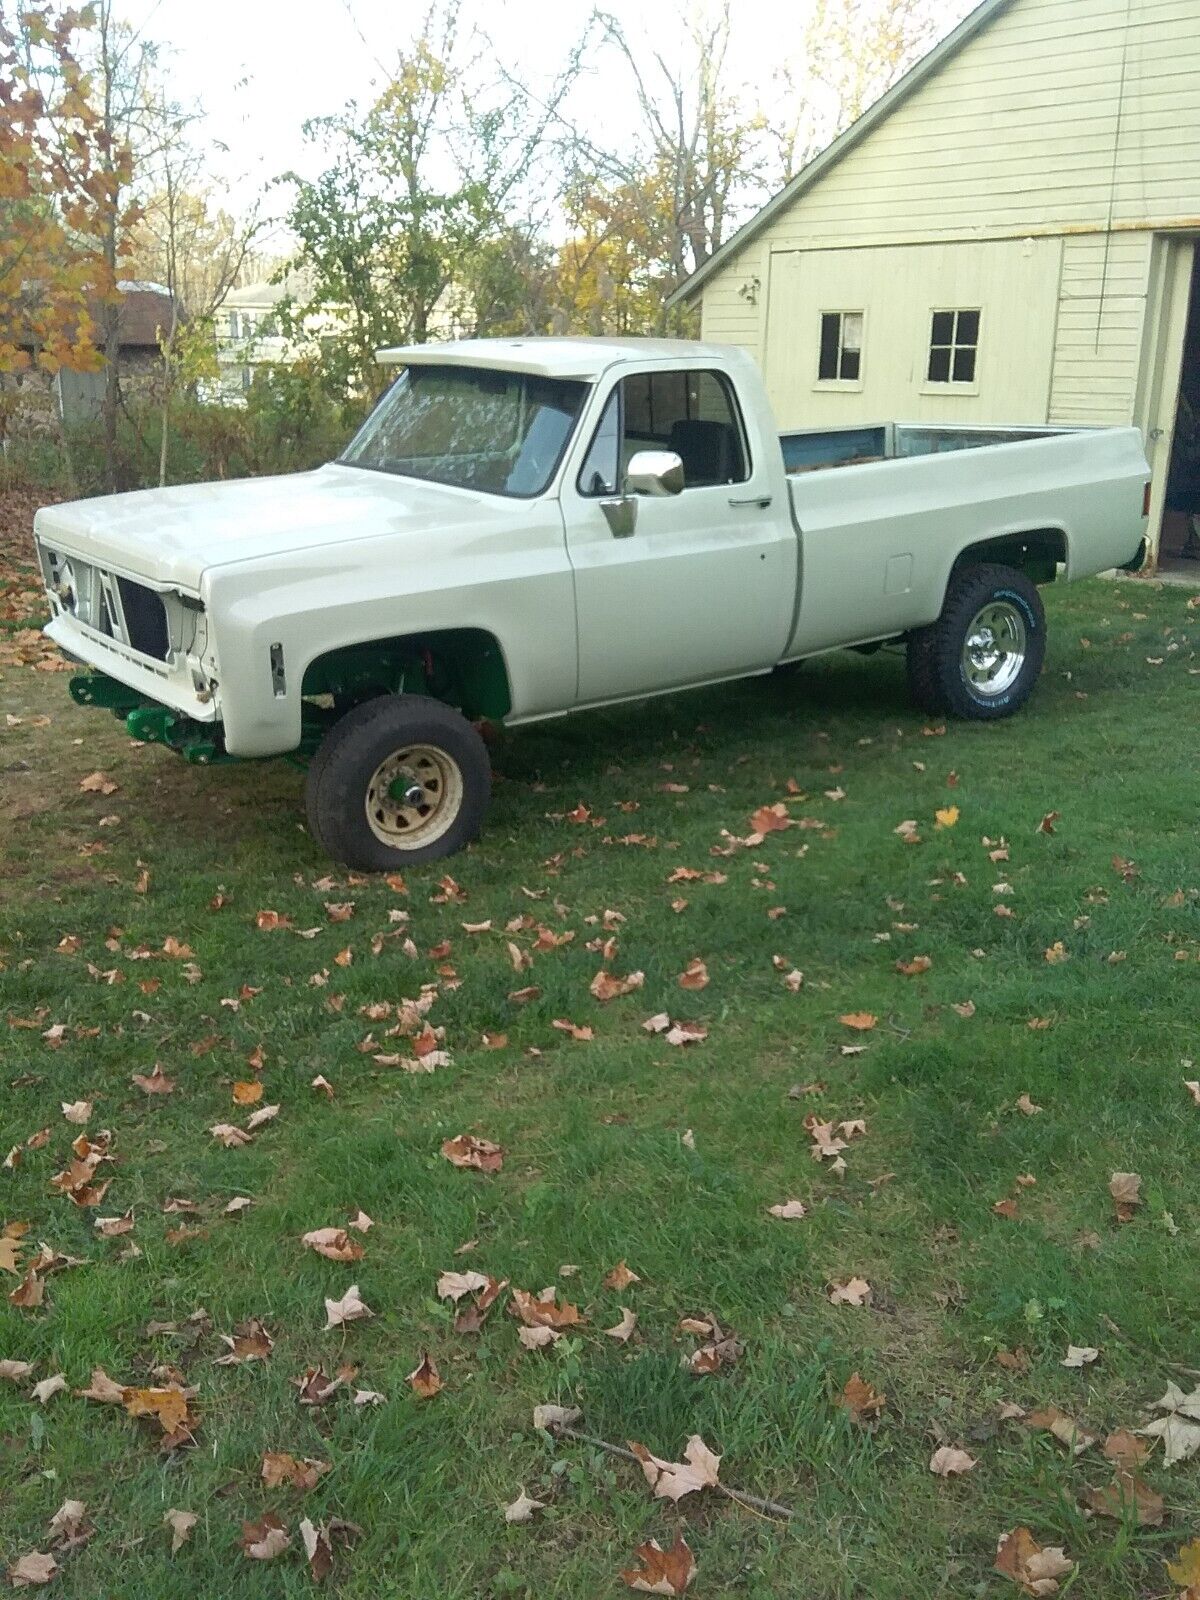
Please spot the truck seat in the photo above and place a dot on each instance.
(707, 450)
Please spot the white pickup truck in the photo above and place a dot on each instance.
(525, 527)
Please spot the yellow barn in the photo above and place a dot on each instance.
(1007, 236)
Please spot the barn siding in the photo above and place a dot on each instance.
(1014, 137)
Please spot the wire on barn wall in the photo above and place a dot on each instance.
(1112, 187)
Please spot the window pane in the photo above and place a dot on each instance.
(704, 431)
(964, 365)
(851, 365)
(601, 466)
(943, 328)
(637, 406)
(968, 327)
(939, 366)
(668, 403)
(852, 330)
(830, 329)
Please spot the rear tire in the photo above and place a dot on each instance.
(983, 656)
(398, 780)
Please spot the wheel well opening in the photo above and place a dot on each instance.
(1037, 553)
(464, 667)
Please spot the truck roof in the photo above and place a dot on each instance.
(549, 357)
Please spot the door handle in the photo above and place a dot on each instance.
(762, 501)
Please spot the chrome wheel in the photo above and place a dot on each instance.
(413, 797)
(995, 648)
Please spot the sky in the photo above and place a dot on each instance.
(260, 68)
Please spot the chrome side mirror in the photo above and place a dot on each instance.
(657, 473)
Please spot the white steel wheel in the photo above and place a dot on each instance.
(995, 647)
(413, 796)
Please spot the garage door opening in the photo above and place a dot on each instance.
(1179, 549)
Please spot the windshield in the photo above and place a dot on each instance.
(473, 427)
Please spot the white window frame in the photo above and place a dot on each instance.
(951, 386)
(842, 385)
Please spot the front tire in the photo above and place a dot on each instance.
(398, 780)
(983, 656)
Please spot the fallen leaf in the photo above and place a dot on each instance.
(853, 1292)
(335, 1244)
(862, 1021)
(350, 1308)
(154, 1082)
(671, 1480)
(694, 975)
(98, 783)
(1124, 1494)
(548, 1417)
(265, 1539)
(247, 1093)
(230, 1137)
(279, 1468)
(948, 1460)
(522, 1508)
(661, 1571)
(425, 1380)
(1185, 1571)
(181, 1524)
(15, 1371)
(1179, 1429)
(947, 817)
(685, 1033)
(48, 1388)
(1057, 953)
(102, 1388)
(544, 1310)
(789, 1211)
(1124, 1450)
(33, 1569)
(620, 1277)
(317, 1549)
(1079, 1355)
(1026, 1106)
(1125, 1188)
(625, 1327)
(1065, 1429)
(914, 968)
(1192, 1085)
(468, 1151)
(1033, 1568)
(249, 1341)
(865, 1404)
(77, 1111)
(605, 986)
(453, 1285)
(263, 1114)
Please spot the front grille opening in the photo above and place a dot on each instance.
(145, 619)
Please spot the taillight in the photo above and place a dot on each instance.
(1146, 493)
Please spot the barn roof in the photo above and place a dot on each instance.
(973, 23)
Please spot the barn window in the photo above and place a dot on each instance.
(953, 346)
(841, 347)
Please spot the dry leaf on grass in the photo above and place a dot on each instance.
(48, 1388)
(1126, 1190)
(620, 1277)
(425, 1380)
(606, 986)
(1036, 1570)
(549, 1417)
(1124, 1450)
(1065, 1429)
(861, 1021)
(522, 1508)
(671, 1480)
(265, 1539)
(468, 1151)
(851, 1292)
(181, 1524)
(453, 1285)
(249, 1341)
(32, 1569)
(947, 1460)
(1127, 1493)
(1079, 1355)
(335, 1244)
(625, 1327)
(15, 1371)
(544, 1310)
(864, 1403)
(661, 1571)
(281, 1469)
(1179, 1429)
(789, 1211)
(350, 1308)
(1185, 1570)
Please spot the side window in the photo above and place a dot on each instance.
(953, 347)
(841, 347)
(693, 414)
(601, 470)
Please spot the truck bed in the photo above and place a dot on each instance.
(879, 537)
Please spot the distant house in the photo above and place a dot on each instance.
(248, 332)
(73, 397)
(1007, 236)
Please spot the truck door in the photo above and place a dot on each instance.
(687, 587)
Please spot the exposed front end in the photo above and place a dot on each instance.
(147, 645)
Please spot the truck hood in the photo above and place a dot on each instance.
(173, 536)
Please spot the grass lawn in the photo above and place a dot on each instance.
(624, 1147)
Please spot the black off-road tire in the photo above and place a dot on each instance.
(353, 752)
(937, 672)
